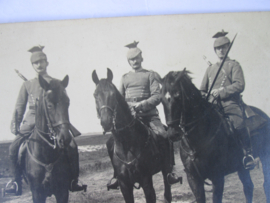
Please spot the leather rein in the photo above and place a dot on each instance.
(52, 134)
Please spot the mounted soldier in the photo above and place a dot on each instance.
(141, 90)
(229, 84)
(22, 126)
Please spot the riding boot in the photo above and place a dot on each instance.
(167, 149)
(248, 160)
(73, 158)
(113, 182)
(15, 184)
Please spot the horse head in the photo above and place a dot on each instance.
(106, 102)
(178, 96)
(54, 103)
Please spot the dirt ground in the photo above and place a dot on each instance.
(97, 175)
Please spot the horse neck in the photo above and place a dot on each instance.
(41, 150)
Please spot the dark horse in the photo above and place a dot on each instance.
(207, 150)
(45, 166)
(133, 157)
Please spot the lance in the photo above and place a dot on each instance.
(20, 75)
(208, 94)
(208, 62)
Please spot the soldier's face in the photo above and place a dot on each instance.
(40, 66)
(136, 62)
(222, 50)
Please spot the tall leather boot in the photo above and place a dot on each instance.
(113, 182)
(248, 160)
(168, 160)
(73, 158)
(15, 184)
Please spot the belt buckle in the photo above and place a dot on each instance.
(134, 99)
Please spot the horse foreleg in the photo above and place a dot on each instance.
(197, 187)
(127, 191)
(266, 172)
(218, 187)
(38, 195)
(167, 188)
(149, 191)
(248, 186)
(62, 196)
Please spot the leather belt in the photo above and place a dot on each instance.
(135, 99)
(32, 107)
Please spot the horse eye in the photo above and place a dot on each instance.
(50, 106)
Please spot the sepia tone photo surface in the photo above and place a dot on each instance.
(168, 43)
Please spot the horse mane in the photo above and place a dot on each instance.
(171, 83)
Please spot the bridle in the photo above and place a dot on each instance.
(114, 111)
(51, 126)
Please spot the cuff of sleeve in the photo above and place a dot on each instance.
(222, 93)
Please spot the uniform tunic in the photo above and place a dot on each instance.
(29, 93)
(142, 86)
(231, 80)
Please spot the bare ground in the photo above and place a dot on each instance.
(97, 191)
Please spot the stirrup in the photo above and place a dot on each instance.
(8, 188)
(113, 186)
(175, 179)
(251, 166)
(77, 188)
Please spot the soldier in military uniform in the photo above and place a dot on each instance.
(141, 91)
(22, 128)
(228, 86)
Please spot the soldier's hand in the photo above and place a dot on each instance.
(215, 93)
(138, 107)
(13, 128)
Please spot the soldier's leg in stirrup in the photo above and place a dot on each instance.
(73, 158)
(163, 143)
(15, 184)
(113, 182)
(248, 160)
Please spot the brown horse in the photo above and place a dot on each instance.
(207, 150)
(45, 165)
(134, 160)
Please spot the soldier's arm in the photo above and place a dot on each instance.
(238, 83)
(121, 87)
(154, 99)
(19, 108)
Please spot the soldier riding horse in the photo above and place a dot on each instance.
(135, 157)
(207, 148)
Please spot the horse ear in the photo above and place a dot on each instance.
(109, 75)
(181, 74)
(95, 77)
(64, 82)
(43, 83)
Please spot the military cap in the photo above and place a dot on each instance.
(133, 50)
(221, 39)
(37, 54)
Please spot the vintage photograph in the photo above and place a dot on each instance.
(170, 108)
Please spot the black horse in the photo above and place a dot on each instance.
(207, 149)
(134, 159)
(45, 166)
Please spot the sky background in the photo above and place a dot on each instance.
(168, 42)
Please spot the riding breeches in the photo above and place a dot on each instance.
(25, 132)
(235, 114)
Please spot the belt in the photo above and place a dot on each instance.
(32, 107)
(135, 99)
